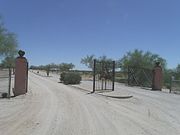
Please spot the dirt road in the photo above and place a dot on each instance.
(51, 108)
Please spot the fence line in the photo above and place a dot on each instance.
(174, 86)
(5, 82)
(138, 76)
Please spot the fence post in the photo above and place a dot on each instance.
(157, 77)
(128, 76)
(170, 85)
(171, 80)
(9, 87)
(21, 74)
(27, 76)
(102, 74)
(94, 75)
(113, 75)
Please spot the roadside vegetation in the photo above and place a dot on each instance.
(65, 70)
(135, 58)
(8, 46)
(70, 78)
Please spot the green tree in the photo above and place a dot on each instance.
(176, 72)
(8, 46)
(8, 62)
(88, 61)
(138, 58)
(53, 65)
(104, 65)
(168, 73)
(47, 68)
(66, 67)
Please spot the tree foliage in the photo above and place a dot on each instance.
(104, 65)
(88, 61)
(167, 75)
(177, 72)
(8, 62)
(138, 58)
(47, 69)
(65, 67)
(70, 78)
(8, 46)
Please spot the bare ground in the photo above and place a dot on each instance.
(51, 108)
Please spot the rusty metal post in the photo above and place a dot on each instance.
(157, 77)
(21, 75)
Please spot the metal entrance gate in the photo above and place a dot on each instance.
(103, 75)
(174, 86)
(5, 81)
(140, 77)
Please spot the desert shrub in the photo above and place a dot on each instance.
(70, 78)
(62, 76)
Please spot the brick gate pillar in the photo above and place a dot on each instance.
(21, 75)
(157, 77)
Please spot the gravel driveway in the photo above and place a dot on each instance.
(51, 108)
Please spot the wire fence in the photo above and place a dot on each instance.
(175, 86)
(138, 76)
(5, 82)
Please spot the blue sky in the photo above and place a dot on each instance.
(67, 30)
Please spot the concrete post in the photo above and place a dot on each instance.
(21, 75)
(157, 77)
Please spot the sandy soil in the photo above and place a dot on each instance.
(51, 108)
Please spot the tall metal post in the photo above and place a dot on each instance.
(171, 80)
(102, 75)
(27, 77)
(113, 76)
(9, 87)
(94, 75)
(128, 76)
